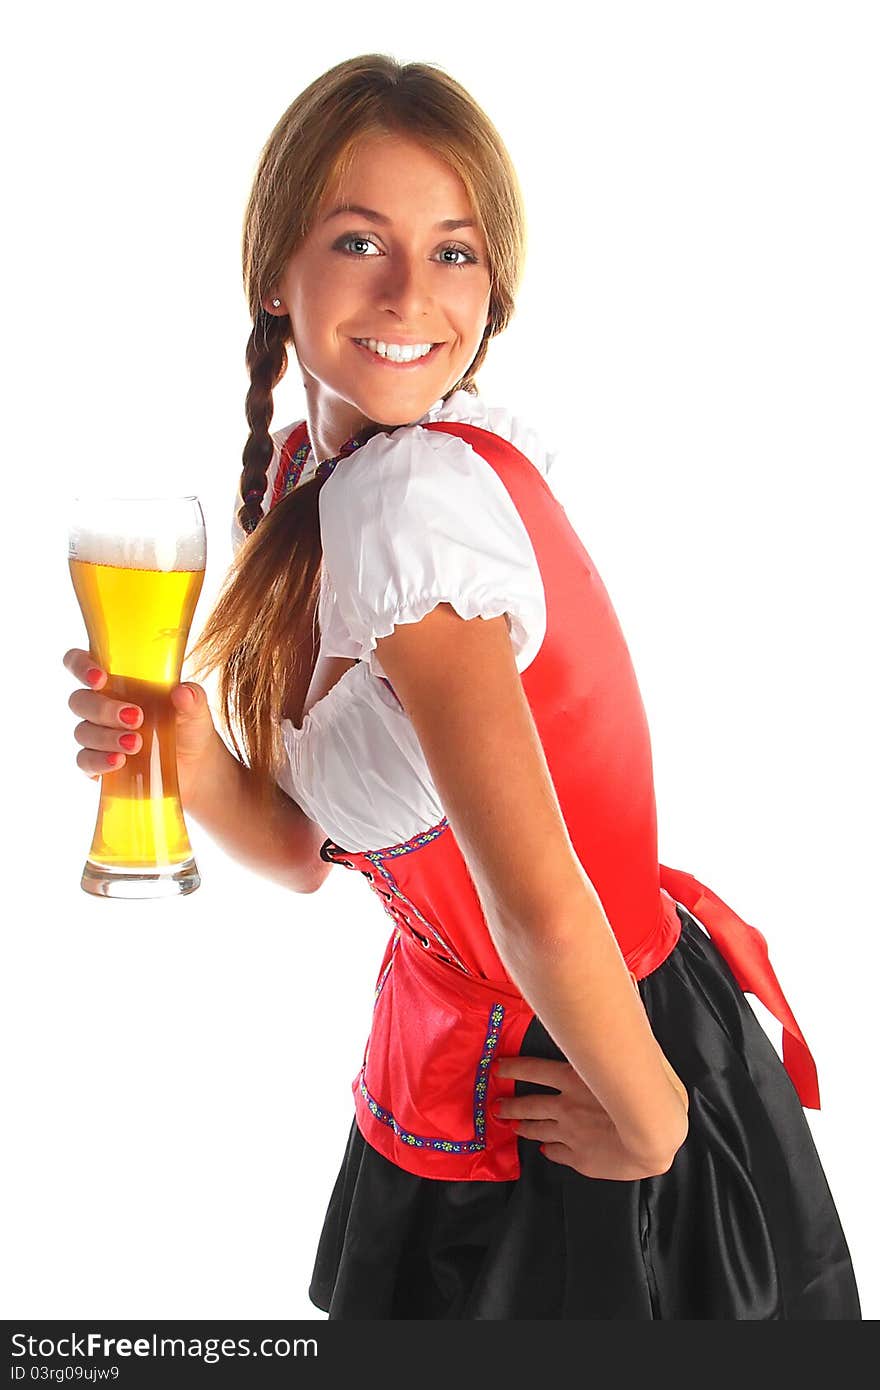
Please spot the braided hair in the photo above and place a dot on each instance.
(266, 360)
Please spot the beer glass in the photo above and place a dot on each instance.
(137, 565)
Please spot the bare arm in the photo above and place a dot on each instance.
(282, 844)
(544, 915)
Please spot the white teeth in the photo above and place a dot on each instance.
(395, 352)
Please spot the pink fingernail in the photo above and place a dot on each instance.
(93, 675)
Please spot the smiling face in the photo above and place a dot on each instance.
(393, 272)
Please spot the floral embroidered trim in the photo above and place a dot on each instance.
(291, 465)
(382, 977)
(422, 837)
(293, 460)
(376, 858)
(464, 1146)
(389, 878)
(380, 986)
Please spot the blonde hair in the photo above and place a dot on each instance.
(262, 633)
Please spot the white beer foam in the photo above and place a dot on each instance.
(155, 545)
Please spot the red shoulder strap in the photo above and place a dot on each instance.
(742, 945)
(486, 443)
(295, 439)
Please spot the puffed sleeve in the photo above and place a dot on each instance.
(419, 518)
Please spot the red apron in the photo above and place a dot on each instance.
(444, 1003)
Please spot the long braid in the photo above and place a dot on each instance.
(266, 360)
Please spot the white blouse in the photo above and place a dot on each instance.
(409, 520)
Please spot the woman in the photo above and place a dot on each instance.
(532, 1136)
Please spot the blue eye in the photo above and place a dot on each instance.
(366, 239)
(345, 241)
(460, 251)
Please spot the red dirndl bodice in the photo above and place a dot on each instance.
(444, 1004)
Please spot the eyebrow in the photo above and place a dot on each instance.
(449, 224)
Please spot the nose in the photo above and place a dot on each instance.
(405, 288)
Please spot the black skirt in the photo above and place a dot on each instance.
(741, 1226)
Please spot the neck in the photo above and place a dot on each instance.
(333, 422)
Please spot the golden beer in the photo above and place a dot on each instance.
(138, 618)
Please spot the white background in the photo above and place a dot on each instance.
(697, 333)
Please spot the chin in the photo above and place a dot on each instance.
(397, 403)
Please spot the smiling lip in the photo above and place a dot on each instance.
(400, 366)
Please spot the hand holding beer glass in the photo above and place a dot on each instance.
(137, 566)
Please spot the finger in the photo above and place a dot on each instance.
(98, 736)
(558, 1153)
(85, 668)
(545, 1071)
(539, 1107)
(537, 1129)
(101, 709)
(184, 698)
(96, 764)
